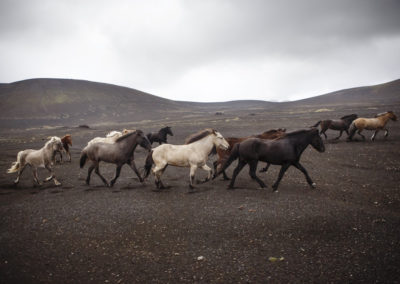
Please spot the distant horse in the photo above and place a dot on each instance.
(110, 137)
(224, 154)
(285, 151)
(38, 158)
(377, 123)
(66, 142)
(120, 152)
(193, 155)
(341, 124)
(160, 136)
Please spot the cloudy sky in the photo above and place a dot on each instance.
(204, 50)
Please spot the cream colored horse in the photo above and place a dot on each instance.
(43, 158)
(377, 123)
(193, 155)
(110, 138)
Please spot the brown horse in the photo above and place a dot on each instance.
(341, 124)
(224, 154)
(66, 142)
(377, 123)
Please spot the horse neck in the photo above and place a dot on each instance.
(300, 143)
(129, 143)
(383, 119)
(205, 145)
(162, 133)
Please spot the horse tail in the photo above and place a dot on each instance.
(317, 123)
(15, 165)
(83, 159)
(148, 165)
(232, 157)
(352, 130)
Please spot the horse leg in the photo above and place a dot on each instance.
(340, 135)
(158, 171)
(52, 176)
(21, 169)
(69, 155)
(386, 132)
(323, 132)
(97, 171)
(373, 135)
(281, 173)
(209, 171)
(117, 173)
(252, 173)
(265, 169)
(304, 171)
(237, 170)
(90, 170)
(359, 133)
(193, 169)
(133, 167)
(35, 176)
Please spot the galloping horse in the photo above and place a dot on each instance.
(341, 124)
(377, 123)
(38, 158)
(285, 151)
(193, 155)
(224, 154)
(111, 137)
(120, 152)
(160, 136)
(66, 142)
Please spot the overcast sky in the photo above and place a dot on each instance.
(204, 50)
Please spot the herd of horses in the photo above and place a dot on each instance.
(276, 147)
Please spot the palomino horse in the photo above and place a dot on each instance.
(377, 123)
(120, 152)
(224, 154)
(193, 155)
(110, 137)
(285, 151)
(66, 142)
(341, 124)
(160, 136)
(38, 158)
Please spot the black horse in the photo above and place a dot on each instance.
(284, 151)
(160, 136)
(341, 124)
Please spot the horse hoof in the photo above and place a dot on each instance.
(313, 185)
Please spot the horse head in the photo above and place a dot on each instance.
(168, 130)
(54, 143)
(392, 116)
(316, 140)
(220, 141)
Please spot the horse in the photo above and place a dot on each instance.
(120, 152)
(341, 125)
(110, 137)
(44, 157)
(66, 142)
(285, 151)
(160, 136)
(377, 123)
(224, 154)
(193, 155)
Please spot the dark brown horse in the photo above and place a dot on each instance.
(160, 136)
(120, 152)
(224, 154)
(285, 151)
(341, 124)
(66, 142)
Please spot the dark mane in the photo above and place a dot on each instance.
(274, 131)
(298, 132)
(199, 135)
(349, 116)
(128, 134)
(164, 129)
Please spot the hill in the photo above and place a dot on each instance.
(38, 102)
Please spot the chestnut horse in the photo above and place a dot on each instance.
(224, 154)
(66, 142)
(377, 123)
(341, 124)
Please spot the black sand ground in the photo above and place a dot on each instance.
(346, 230)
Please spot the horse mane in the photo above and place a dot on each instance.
(349, 116)
(163, 129)
(199, 135)
(113, 133)
(383, 113)
(296, 132)
(67, 139)
(274, 131)
(128, 134)
(52, 140)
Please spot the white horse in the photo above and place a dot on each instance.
(194, 155)
(110, 138)
(45, 158)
